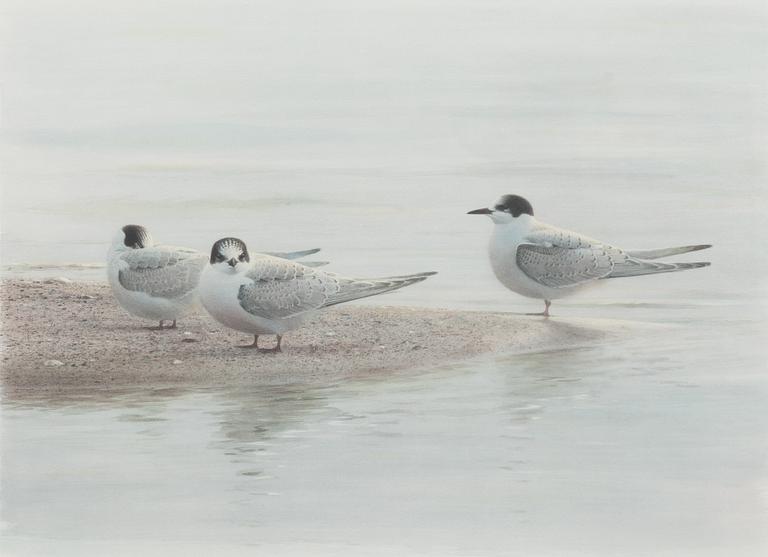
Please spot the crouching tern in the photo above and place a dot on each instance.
(159, 282)
(541, 261)
(260, 294)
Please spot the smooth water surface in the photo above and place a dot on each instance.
(652, 446)
(369, 129)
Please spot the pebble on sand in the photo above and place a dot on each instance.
(59, 280)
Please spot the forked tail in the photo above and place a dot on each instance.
(635, 267)
(665, 252)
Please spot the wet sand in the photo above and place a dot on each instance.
(60, 335)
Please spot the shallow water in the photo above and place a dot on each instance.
(655, 445)
(640, 123)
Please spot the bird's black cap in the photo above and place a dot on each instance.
(136, 236)
(217, 251)
(514, 204)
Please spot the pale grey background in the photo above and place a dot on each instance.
(369, 129)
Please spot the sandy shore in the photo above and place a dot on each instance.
(60, 335)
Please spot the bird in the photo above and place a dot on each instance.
(541, 261)
(160, 282)
(260, 294)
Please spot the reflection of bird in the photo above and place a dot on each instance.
(265, 295)
(155, 281)
(540, 261)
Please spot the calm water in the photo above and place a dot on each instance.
(369, 130)
(653, 446)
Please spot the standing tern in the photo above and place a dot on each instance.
(541, 261)
(159, 282)
(260, 294)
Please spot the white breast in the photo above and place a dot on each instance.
(503, 255)
(502, 251)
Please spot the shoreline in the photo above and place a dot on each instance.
(58, 335)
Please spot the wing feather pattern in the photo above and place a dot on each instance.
(560, 259)
(559, 267)
(280, 289)
(161, 271)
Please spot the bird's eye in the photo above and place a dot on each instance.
(242, 257)
(500, 208)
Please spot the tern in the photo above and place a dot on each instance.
(541, 261)
(159, 282)
(260, 294)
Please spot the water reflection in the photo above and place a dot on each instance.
(512, 442)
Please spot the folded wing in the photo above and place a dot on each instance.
(292, 254)
(560, 259)
(559, 267)
(280, 288)
(298, 255)
(162, 271)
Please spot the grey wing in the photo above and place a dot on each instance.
(558, 267)
(280, 288)
(292, 254)
(298, 255)
(162, 271)
(547, 235)
(560, 258)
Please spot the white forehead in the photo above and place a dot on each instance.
(118, 238)
(501, 217)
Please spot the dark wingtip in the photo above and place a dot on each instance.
(414, 276)
(696, 265)
(423, 276)
(419, 277)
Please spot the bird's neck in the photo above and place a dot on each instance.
(117, 247)
(517, 227)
